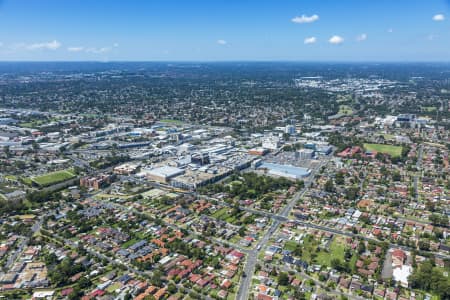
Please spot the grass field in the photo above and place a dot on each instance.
(171, 121)
(429, 108)
(313, 255)
(337, 249)
(10, 177)
(113, 287)
(221, 213)
(290, 245)
(53, 178)
(345, 110)
(387, 149)
(129, 243)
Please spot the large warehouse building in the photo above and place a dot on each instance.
(163, 174)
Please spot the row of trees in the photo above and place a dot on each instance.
(430, 279)
(250, 185)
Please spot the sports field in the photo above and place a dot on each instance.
(53, 177)
(386, 149)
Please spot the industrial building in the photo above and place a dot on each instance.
(305, 153)
(163, 174)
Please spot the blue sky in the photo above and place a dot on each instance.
(216, 30)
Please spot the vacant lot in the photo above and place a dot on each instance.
(314, 253)
(53, 178)
(386, 149)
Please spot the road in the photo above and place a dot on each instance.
(252, 257)
(245, 284)
(287, 269)
(23, 243)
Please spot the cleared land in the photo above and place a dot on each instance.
(387, 149)
(53, 178)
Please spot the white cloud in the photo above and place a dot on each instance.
(98, 50)
(305, 19)
(75, 49)
(336, 40)
(53, 45)
(93, 50)
(361, 37)
(438, 17)
(390, 30)
(222, 42)
(310, 40)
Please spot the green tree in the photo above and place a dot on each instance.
(283, 279)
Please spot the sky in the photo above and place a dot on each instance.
(225, 30)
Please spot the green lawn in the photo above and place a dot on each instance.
(171, 121)
(312, 255)
(5, 188)
(219, 213)
(387, 149)
(429, 108)
(113, 287)
(290, 245)
(129, 243)
(336, 251)
(345, 110)
(53, 177)
(10, 177)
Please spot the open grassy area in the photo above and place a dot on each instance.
(53, 178)
(171, 121)
(290, 245)
(393, 151)
(429, 108)
(220, 213)
(313, 254)
(5, 188)
(345, 110)
(113, 287)
(129, 243)
(10, 177)
(337, 249)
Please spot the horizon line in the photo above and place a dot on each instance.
(229, 61)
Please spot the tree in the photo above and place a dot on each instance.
(396, 176)
(283, 279)
(7, 151)
(329, 186)
(361, 247)
(156, 278)
(171, 288)
(84, 282)
(352, 193)
(340, 178)
(298, 250)
(241, 231)
(429, 279)
(336, 263)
